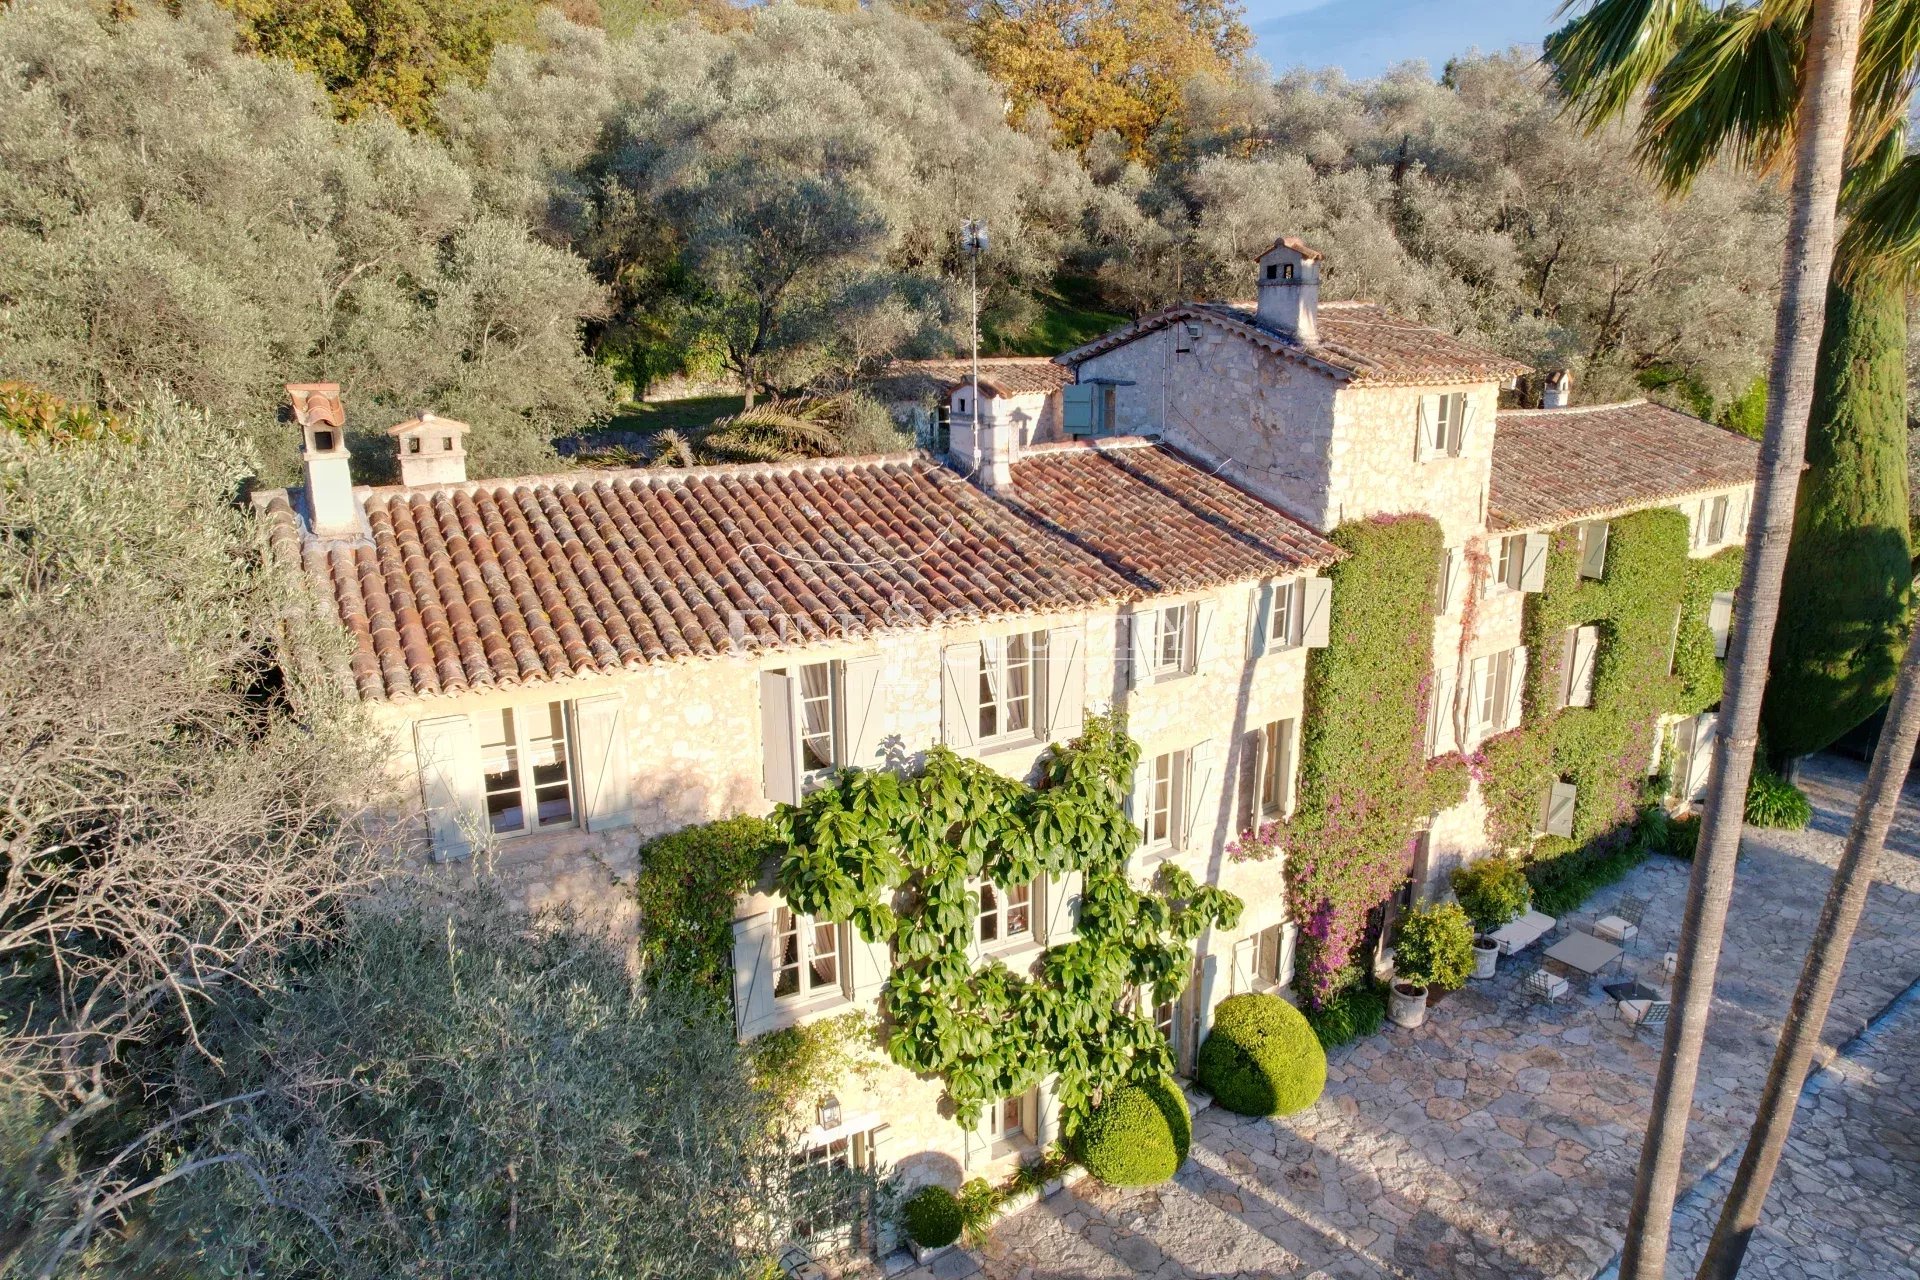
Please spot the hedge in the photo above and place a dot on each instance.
(1262, 1058)
(1138, 1136)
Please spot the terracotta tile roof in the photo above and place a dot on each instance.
(1360, 343)
(500, 583)
(1010, 375)
(1158, 518)
(1552, 466)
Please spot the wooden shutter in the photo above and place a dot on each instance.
(449, 758)
(1140, 627)
(1253, 745)
(1288, 729)
(1700, 756)
(1533, 563)
(1060, 915)
(862, 713)
(960, 694)
(1513, 682)
(1289, 937)
(606, 781)
(1557, 818)
(779, 737)
(1259, 619)
(1457, 424)
(1201, 761)
(1316, 612)
(753, 975)
(1246, 954)
(1477, 675)
(1202, 654)
(868, 964)
(1077, 410)
(1066, 683)
(1449, 570)
(1442, 725)
(1585, 652)
(1046, 1108)
(1137, 795)
(1593, 548)
(1720, 621)
(1425, 425)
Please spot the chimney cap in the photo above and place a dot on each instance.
(1298, 245)
(427, 422)
(317, 403)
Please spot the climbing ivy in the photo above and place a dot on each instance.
(894, 855)
(1645, 667)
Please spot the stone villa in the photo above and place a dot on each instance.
(572, 663)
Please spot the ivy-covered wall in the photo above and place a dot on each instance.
(896, 857)
(1645, 668)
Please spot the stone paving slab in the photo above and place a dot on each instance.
(1500, 1139)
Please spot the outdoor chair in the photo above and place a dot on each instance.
(1543, 984)
(1623, 924)
(1643, 1014)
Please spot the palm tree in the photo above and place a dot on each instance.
(1820, 976)
(1766, 85)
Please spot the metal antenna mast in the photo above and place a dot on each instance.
(973, 239)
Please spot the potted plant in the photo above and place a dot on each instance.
(1493, 892)
(1434, 951)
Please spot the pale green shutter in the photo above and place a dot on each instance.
(779, 738)
(1077, 411)
(449, 758)
(862, 713)
(606, 783)
(1066, 683)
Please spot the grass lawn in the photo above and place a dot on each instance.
(1069, 317)
(649, 416)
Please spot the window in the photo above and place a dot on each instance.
(1006, 915)
(1088, 408)
(1520, 562)
(825, 1199)
(1717, 521)
(1170, 639)
(1165, 783)
(1276, 769)
(819, 717)
(1442, 425)
(1273, 963)
(1282, 621)
(1494, 689)
(806, 955)
(1012, 668)
(524, 753)
(413, 444)
(1006, 1122)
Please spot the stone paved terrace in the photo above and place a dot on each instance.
(1501, 1138)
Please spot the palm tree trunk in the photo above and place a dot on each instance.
(1826, 958)
(1833, 38)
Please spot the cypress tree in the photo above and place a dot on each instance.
(1844, 600)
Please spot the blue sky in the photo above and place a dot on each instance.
(1365, 37)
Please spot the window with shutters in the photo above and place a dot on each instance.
(1442, 425)
(829, 1203)
(806, 956)
(1006, 915)
(819, 717)
(1272, 960)
(1172, 640)
(1496, 690)
(1276, 769)
(1164, 801)
(1508, 559)
(525, 756)
(1717, 521)
(1283, 622)
(1012, 674)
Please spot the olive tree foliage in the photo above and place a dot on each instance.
(1470, 202)
(781, 202)
(181, 784)
(460, 1089)
(175, 213)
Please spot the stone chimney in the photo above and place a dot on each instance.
(985, 440)
(433, 450)
(1557, 392)
(323, 432)
(1289, 298)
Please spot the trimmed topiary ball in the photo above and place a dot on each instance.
(932, 1217)
(1138, 1137)
(1262, 1058)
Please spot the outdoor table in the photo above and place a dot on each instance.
(1522, 933)
(1624, 991)
(1584, 952)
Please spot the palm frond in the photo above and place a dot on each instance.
(1884, 79)
(670, 449)
(1729, 90)
(1603, 60)
(1883, 239)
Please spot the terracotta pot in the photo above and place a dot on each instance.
(1486, 957)
(1407, 1004)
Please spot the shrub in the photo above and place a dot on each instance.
(1492, 891)
(1262, 1058)
(1683, 837)
(1562, 883)
(1772, 801)
(1137, 1137)
(1357, 1011)
(688, 883)
(1435, 947)
(932, 1217)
